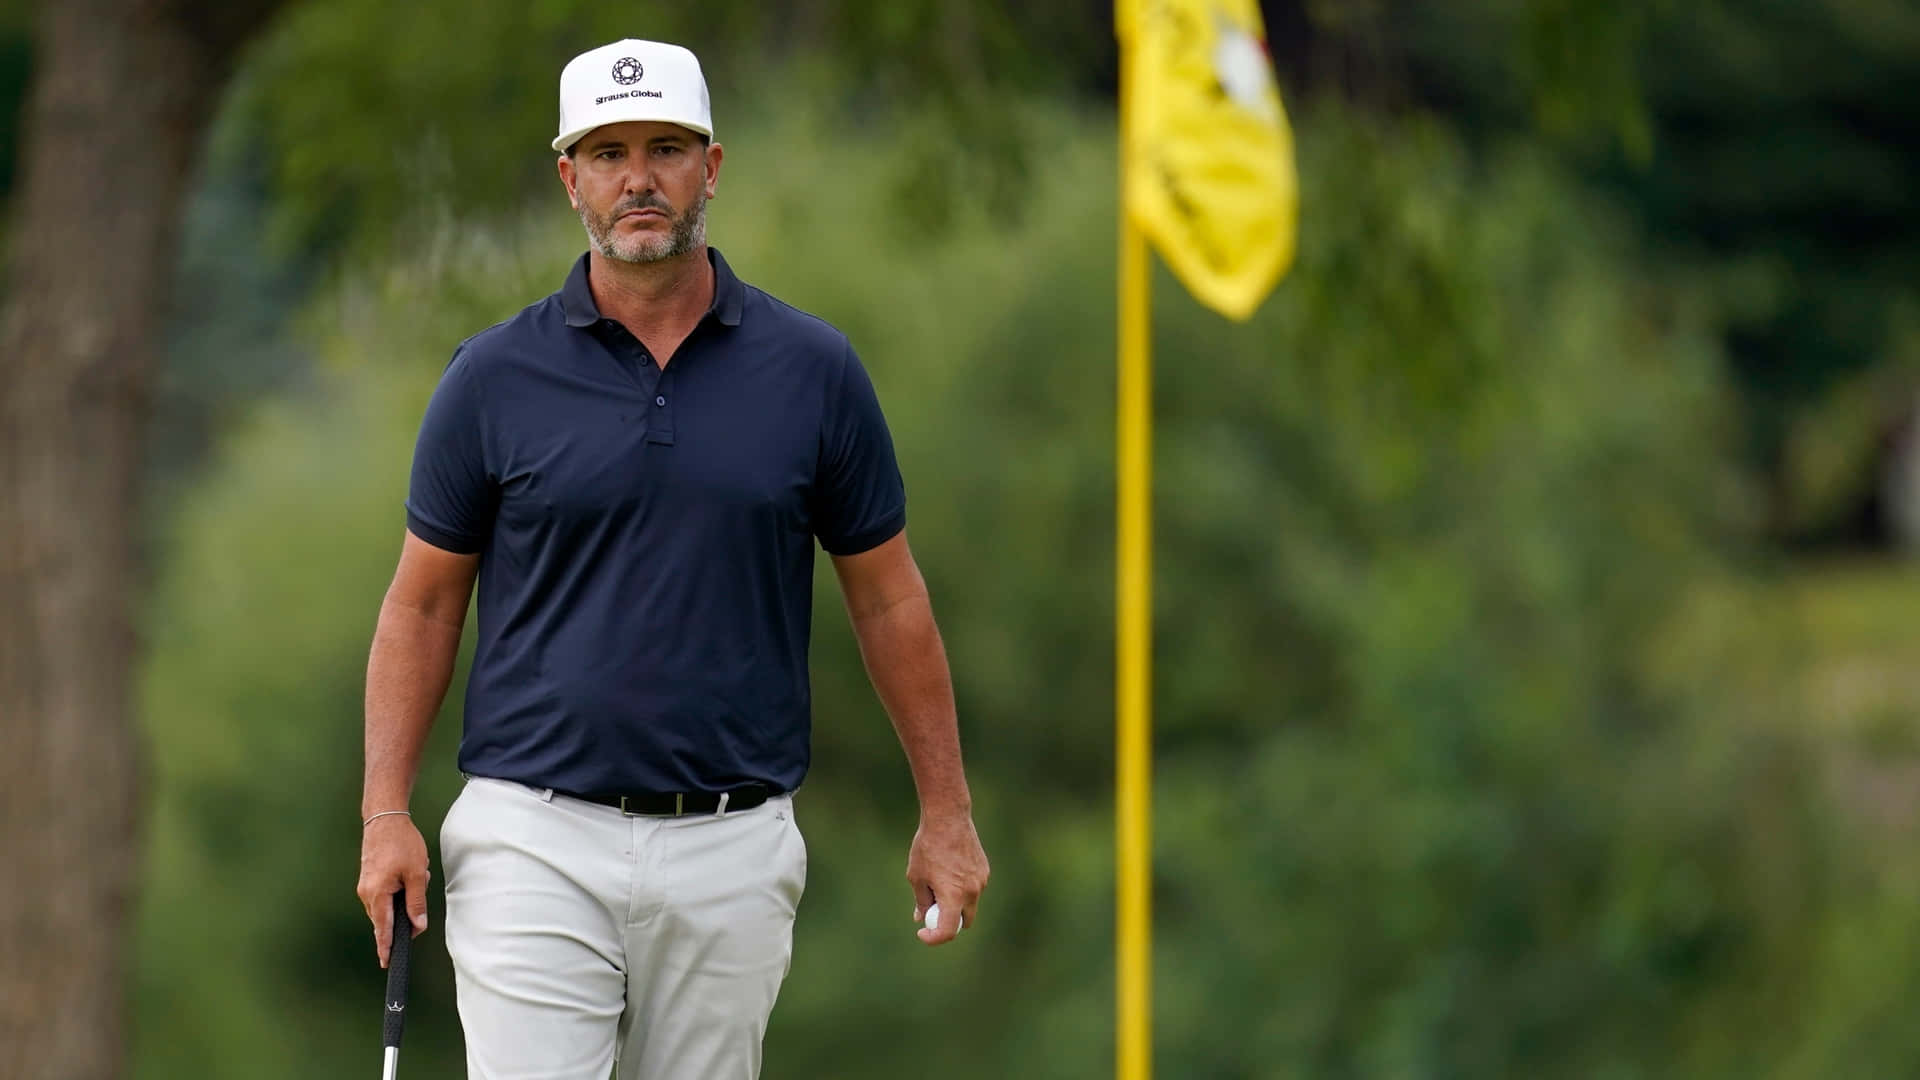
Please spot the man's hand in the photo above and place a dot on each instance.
(948, 865)
(392, 855)
(893, 618)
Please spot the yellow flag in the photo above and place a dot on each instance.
(1208, 153)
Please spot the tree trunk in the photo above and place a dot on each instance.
(123, 91)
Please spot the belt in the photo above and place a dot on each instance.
(680, 803)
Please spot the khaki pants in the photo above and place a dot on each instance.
(585, 941)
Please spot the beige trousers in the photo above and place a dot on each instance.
(589, 944)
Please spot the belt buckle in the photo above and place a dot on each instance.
(679, 806)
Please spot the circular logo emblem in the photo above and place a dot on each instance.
(627, 71)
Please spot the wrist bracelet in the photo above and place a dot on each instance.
(385, 813)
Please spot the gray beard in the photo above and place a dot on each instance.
(689, 233)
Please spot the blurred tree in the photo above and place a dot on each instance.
(1423, 521)
(357, 123)
(370, 141)
(1443, 793)
(1789, 156)
(1768, 141)
(1771, 144)
(122, 92)
(16, 53)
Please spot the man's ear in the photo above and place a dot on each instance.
(714, 154)
(567, 178)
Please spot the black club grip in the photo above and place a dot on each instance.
(397, 958)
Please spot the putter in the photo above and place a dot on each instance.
(396, 1011)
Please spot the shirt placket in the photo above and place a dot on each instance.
(638, 364)
(660, 427)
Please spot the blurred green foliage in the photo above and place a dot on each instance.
(1769, 146)
(16, 67)
(444, 109)
(1772, 146)
(1489, 744)
(1472, 760)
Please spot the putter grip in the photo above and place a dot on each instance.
(397, 958)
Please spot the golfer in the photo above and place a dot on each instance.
(634, 470)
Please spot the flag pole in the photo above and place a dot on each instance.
(1134, 757)
(1221, 195)
(1133, 644)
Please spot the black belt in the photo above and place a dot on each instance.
(680, 803)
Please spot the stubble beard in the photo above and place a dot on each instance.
(689, 231)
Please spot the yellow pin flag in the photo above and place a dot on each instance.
(1207, 175)
(1208, 151)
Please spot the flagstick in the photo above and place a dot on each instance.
(1164, 49)
(1134, 649)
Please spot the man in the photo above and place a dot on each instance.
(635, 470)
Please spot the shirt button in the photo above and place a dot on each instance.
(660, 401)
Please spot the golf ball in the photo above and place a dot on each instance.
(933, 918)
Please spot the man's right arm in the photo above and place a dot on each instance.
(411, 663)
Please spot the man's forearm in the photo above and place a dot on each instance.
(407, 676)
(908, 665)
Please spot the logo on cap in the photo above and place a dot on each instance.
(627, 71)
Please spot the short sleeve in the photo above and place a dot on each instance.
(860, 500)
(450, 497)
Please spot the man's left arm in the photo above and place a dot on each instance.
(893, 619)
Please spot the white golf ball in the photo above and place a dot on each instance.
(933, 918)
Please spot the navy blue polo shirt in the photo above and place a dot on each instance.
(646, 535)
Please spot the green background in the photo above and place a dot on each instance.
(1535, 680)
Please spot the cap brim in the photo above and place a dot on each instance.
(571, 137)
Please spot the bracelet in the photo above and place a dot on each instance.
(385, 813)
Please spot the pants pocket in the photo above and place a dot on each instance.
(798, 859)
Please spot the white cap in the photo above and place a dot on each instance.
(632, 80)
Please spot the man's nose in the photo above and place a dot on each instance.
(639, 179)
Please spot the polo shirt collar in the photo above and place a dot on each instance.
(729, 295)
